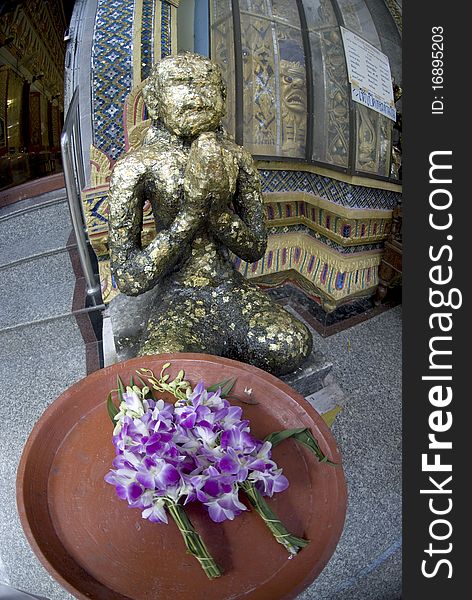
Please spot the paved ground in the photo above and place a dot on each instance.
(367, 365)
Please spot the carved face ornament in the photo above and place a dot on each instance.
(293, 83)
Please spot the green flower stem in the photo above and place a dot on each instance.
(290, 542)
(193, 541)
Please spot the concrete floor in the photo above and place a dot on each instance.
(367, 364)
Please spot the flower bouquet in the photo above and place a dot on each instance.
(196, 449)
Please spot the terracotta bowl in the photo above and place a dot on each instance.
(97, 547)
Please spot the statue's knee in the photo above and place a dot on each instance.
(303, 338)
(283, 347)
(297, 342)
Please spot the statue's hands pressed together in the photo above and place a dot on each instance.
(210, 176)
(222, 185)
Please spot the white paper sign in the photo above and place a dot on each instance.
(369, 74)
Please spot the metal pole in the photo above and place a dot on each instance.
(73, 196)
(78, 148)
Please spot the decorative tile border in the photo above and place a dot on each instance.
(337, 254)
(305, 230)
(166, 23)
(147, 46)
(345, 235)
(346, 228)
(335, 276)
(331, 275)
(123, 52)
(339, 192)
(112, 54)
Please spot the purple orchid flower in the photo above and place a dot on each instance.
(133, 402)
(238, 440)
(156, 512)
(226, 506)
(229, 416)
(199, 449)
(269, 482)
(234, 464)
(198, 395)
(157, 474)
(126, 485)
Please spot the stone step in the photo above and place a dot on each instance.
(32, 203)
(34, 231)
(37, 363)
(42, 360)
(37, 289)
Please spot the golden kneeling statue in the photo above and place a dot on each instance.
(206, 199)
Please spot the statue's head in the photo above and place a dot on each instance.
(186, 92)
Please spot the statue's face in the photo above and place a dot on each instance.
(187, 94)
(190, 107)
